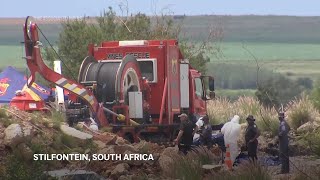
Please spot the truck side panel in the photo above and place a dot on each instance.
(173, 74)
(184, 85)
(143, 52)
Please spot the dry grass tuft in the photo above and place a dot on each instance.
(189, 167)
(246, 171)
(222, 110)
(301, 111)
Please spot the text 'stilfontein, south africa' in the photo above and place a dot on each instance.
(93, 157)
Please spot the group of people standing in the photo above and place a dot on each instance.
(231, 131)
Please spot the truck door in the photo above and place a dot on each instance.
(198, 104)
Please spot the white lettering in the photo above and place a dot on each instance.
(94, 157)
(136, 157)
(118, 157)
(150, 157)
(126, 157)
(35, 157)
(99, 157)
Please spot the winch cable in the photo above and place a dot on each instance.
(56, 53)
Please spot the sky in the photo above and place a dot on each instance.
(78, 8)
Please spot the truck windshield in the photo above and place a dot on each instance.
(198, 87)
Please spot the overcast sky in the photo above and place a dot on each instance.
(76, 8)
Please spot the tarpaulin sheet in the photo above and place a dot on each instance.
(11, 80)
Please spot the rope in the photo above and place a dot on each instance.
(56, 52)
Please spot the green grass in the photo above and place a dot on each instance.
(291, 68)
(12, 56)
(268, 51)
(233, 94)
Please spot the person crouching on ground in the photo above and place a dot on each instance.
(231, 132)
(252, 133)
(186, 131)
(206, 132)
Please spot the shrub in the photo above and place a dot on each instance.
(267, 120)
(315, 95)
(301, 111)
(17, 168)
(245, 106)
(220, 110)
(279, 90)
(299, 117)
(312, 141)
(69, 141)
(57, 116)
(190, 166)
(6, 122)
(4, 118)
(186, 168)
(252, 171)
(246, 171)
(204, 155)
(3, 113)
(237, 76)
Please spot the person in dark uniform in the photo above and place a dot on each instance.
(186, 132)
(284, 128)
(252, 133)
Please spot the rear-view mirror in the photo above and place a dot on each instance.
(211, 84)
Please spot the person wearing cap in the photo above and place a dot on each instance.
(185, 136)
(206, 132)
(251, 135)
(231, 133)
(284, 128)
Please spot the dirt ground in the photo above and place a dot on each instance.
(298, 165)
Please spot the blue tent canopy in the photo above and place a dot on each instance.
(11, 80)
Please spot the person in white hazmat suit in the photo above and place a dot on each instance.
(231, 131)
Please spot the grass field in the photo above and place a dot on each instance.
(12, 56)
(285, 44)
(233, 94)
(287, 58)
(291, 59)
(268, 51)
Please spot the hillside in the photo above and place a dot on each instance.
(285, 44)
(275, 29)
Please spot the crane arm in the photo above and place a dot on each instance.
(36, 64)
